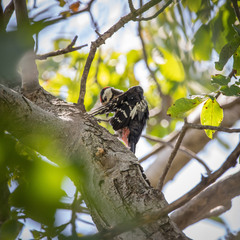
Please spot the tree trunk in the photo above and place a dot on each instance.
(107, 173)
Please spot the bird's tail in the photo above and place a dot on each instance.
(133, 147)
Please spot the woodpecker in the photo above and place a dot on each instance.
(130, 112)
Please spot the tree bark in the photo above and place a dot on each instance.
(107, 173)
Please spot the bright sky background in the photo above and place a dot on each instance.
(126, 39)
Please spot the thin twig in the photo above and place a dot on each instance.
(156, 14)
(130, 3)
(220, 129)
(21, 13)
(44, 23)
(236, 9)
(65, 50)
(101, 40)
(172, 156)
(97, 29)
(73, 217)
(8, 13)
(156, 149)
(149, 218)
(145, 57)
(182, 149)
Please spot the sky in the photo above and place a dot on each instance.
(190, 175)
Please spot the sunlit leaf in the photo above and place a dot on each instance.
(236, 62)
(212, 114)
(75, 6)
(202, 48)
(233, 90)
(65, 14)
(62, 3)
(183, 105)
(194, 5)
(220, 79)
(172, 69)
(10, 229)
(227, 51)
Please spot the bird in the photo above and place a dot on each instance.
(130, 112)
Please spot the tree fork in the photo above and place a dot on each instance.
(108, 174)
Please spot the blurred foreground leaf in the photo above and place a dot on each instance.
(10, 229)
(227, 51)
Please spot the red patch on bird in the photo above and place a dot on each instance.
(100, 95)
(125, 134)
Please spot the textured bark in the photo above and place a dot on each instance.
(204, 205)
(108, 174)
(194, 140)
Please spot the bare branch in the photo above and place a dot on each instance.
(182, 149)
(44, 23)
(21, 13)
(149, 218)
(171, 137)
(210, 202)
(132, 8)
(172, 156)
(146, 60)
(156, 149)
(8, 13)
(101, 40)
(1, 17)
(65, 50)
(220, 129)
(156, 14)
(195, 140)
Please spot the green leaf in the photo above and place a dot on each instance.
(202, 48)
(194, 6)
(212, 114)
(227, 51)
(220, 79)
(236, 62)
(10, 229)
(218, 220)
(233, 90)
(172, 62)
(237, 29)
(182, 105)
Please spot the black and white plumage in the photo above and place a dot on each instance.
(131, 112)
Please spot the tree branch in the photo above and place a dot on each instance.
(206, 202)
(111, 180)
(220, 129)
(236, 9)
(148, 218)
(65, 50)
(21, 13)
(101, 40)
(182, 149)
(156, 14)
(44, 23)
(194, 140)
(165, 99)
(8, 13)
(172, 156)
